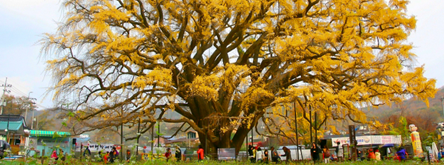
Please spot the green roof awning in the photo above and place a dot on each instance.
(13, 125)
(43, 133)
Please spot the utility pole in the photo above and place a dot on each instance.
(121, 135)
(32, 119)
(315, 127)
(37, 127)
(311, 128)
(152, 141)
(3, 102)
(296, 130)
(252, 136)
(158, 134)
(138, 136)
(29, 101)
(26, 112)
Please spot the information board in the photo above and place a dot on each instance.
(226, 153)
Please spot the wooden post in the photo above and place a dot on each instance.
(43, 156)
(81, 148)
(352, 137)
(428, 157)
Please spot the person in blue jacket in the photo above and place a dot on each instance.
(402, 154)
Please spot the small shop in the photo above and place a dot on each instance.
(45, 142)
(14, 131)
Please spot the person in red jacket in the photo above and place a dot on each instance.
(106, 157)
(200, 153)
(371, 154)
(168, 154)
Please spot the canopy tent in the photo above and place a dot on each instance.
(43, 133)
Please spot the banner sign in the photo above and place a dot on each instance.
(369, 140)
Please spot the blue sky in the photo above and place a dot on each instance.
(23, 22)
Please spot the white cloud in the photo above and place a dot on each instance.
(42, 11)
(428, 38)
(22, 24)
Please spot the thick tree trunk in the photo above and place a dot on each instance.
(209, 116)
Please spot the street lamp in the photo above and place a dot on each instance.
(158, 134)
(6, 133)
(121, 134)
(30, 102)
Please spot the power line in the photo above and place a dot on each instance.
(18, 92)
(41, 106)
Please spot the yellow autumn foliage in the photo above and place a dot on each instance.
(225, 64)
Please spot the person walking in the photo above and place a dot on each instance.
(360, 155)
(168, 154)
(371, 155)
(266, 156)
(254, 154)
(339, 152)
(54, 155)
(200, 153)
(326, 155)
(113, 155)
(99, 154)
(274, 156)
(401, 154)
(128, 155)
(62, 154)
(287, 154)
(178, 154)
(87, 151)
(259, 155)
(106, 157)
(315, 153)
(442, 152)
(251, 153)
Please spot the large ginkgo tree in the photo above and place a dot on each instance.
(224, 64)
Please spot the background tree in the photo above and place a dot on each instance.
(18, 105)
(222, 64)
(46, 121)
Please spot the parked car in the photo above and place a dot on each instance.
(4, 146)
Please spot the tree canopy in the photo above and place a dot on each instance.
(225, 64)
(17, 105)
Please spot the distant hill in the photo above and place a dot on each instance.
(416, 112)
(48, 119)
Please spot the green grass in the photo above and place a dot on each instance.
(208, 162)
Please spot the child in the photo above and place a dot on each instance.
(326, 155)
(168, 154)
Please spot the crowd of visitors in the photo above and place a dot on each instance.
(271, 155)
(257, 155)
(370, 154)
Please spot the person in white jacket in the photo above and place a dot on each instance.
(378, 155)
(259, 155)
